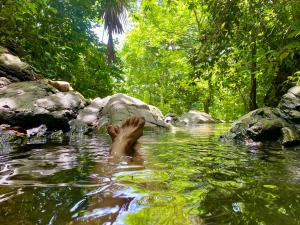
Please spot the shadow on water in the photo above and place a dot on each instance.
(186, 177)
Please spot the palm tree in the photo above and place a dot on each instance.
(114, 15)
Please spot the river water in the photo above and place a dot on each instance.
(182, 177)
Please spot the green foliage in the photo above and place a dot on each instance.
(205, 55)
(57, 38)
(222, 57)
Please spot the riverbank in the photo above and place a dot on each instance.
(33, 108)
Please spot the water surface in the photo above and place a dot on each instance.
(184, 177)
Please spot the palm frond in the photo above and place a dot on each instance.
(114, 16)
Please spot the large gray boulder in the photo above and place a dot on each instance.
(32, 103)
(12, 68)
(116, 109)
(271, 124)
(193, 118)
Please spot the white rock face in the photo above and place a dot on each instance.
(12, 68)
(194, 117)
(12, 61)
(62, 86)
(32, 103)
(116, 109)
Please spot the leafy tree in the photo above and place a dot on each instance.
(222, 57)
(235, 55)
(57, 38)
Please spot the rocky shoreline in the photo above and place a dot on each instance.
(33, 108)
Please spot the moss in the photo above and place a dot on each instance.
(290, 137)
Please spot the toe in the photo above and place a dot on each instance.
(141, 121)
(136, 121)
(126, 123)
(113, 131)
(116, 129)
(109, 129)
(132, 121)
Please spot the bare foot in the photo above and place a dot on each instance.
(125, 137)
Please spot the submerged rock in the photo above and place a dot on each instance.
(194, 117)
(9, 134)
(276, 124)
(33, 103)
(14, 135)
(116, 109)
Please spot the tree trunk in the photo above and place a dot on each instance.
(252, 99)
(206, 105)
(208, 101)
(110, 48)
(198, 24)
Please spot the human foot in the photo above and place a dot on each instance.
(124, 137)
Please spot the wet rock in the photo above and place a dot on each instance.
(12, 136)
(37, 131)
(276, 124)
(56, 136)
(80, 127)
(194, 117)
(290, 105)
(33, 103)
(9, 134)
(290, 137)
(250, 126)
(13, 130)
(265, 129)
(91, 114)
(4, 82)
(171, 118)
(116, 109)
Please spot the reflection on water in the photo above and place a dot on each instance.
(186, 177)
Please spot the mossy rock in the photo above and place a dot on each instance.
(32, 103)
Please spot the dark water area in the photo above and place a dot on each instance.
(184, 177)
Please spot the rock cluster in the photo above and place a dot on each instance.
(32, 107)
(31, 103)
(276, 124)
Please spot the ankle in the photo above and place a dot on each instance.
(120, 146)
